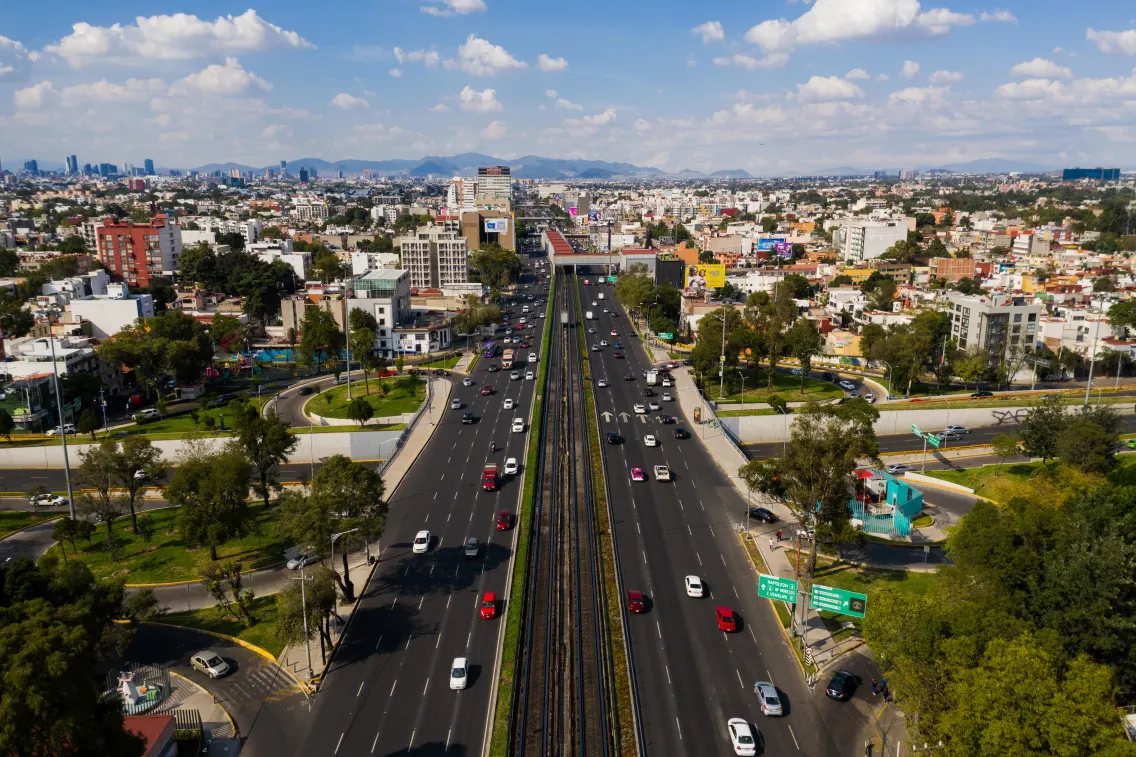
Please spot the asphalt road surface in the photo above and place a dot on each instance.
(691, 676)
(387, 691)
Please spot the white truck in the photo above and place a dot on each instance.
(652, 378)
(589, 315)
(600, 296)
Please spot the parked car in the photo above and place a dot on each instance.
(841, 686)
(68, 428)
(210, 663)
(762, 514)
(301, 560)
(981, 395)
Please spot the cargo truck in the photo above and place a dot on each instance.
(489, 477)
(652, 378)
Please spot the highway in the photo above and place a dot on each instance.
(691, 676)
(387, 691)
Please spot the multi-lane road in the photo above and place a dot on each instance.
(388, 689)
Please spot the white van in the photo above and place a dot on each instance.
(533, 357)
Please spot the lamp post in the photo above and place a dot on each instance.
(62, 427)
(346, 578)
(740, 373)
(1092, 359)
(785, 436)
(304, 604)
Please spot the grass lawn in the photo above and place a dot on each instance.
(447, 362)
(167, 558)
(986, 480)
(740, 413)
(785, 386)
(1015, 401)
(405, 394)
(263, 634)
(922, 521)
(15, 520)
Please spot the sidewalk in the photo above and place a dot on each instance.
(221, 738)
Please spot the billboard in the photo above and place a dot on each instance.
(783, 249)
(573, 211)
(595, 215)
(767, 244)
(496, 225)
(712, 276)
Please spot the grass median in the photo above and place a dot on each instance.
(12, 521)
(511, 649)
(261, 634)
(404, 394)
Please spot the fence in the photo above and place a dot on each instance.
(139, 688)
(398, 445)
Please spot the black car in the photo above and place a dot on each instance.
(648, 392)
(842, 686)
(629, 377)
(613, 438)
(681, 433)
(763, 515)
(304, 391)
(467, 417)
(827, 376)
(440, 372)
(667, 418)
(980, 395)
(492, 368)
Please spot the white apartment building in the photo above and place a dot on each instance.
(436, 255)
(249, 229)
(282, 250)
(310, 209)
(866, 240)
(996, 325)
(86, 285)
(461, 196)
(110, 312)
(361, 262)
(385, 294)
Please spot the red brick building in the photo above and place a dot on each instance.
(139, 252)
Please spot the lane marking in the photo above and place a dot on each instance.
(375, 743)
(392, 687)
(740, 682)
(423, 694)
(644, 557)
(339, 743)
(360, 691)
(659, 629)
(688, 530)
(668, 668)
(379, 642)
(448, 598)
(637, 527)
(711, 529)
(448, 739)
(439, 641)
(699, 558)
(735, 592)
(408, 643)
(679, 727)
(794, 738)
(468, 639)
(723, 559)
(411, 747)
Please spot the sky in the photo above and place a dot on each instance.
(767, 86)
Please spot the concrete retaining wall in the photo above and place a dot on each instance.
(919, 478)
(751, 429)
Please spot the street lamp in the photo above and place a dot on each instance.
(740, 373)
(785, 435)
(346, 578)
(304, 604)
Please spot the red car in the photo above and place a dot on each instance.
(635, 601)
(488, 607)
(727, 621)
(486, 390)
(504, 520)
(619, 356)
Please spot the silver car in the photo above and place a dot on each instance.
(471, 547)
(767, 697)
(210, 663)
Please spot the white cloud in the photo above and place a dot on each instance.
(711, 31)
(545, 63)
(229, 78)
(1076, 95)
(1121, 43)
(395, 72)
(918, 96)
(600, 119)
(440, 108)
(568, 105)
(482, 58)
(429, 57)
(483, 101)
(1030, 89)
(550, 93)
(940, 21)
(857, 73)
(820, 89)
(1000, 16)
(13, 58)
(1040, 68)
(773, 60)
(839, 20)
(882, 77)
(495, 130)
(348, 102)
(909, 70)
(180, 36)
(132, 90)
(450, 7)
(276, 131)
(944, 77)
(642, 126)
(33, 96)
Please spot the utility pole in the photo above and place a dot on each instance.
(103, 402)
(304, 603)
(62, 427)
(1092, 360)
(722, 358)
(347, 340)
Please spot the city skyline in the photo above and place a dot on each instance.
(788, 88)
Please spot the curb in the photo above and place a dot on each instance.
(211, 695)
(274, 566)
(33, 525)
(233, 639)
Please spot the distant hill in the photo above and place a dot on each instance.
(997, 165)
(732, 173)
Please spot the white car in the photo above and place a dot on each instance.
(518, 426)
(148, 413)
(542, 315)
(459, 674)
(455, 404)
(601, 383)
(662, 473)
(846, 385)
(467, 381)
(514, 375)
(421, 543)
(68, 428)
(667, 397)
(897, 468)
(650, 440)
(210, 663)
(603, 342)
(533, 357)
(741, 737)
(640, 409)
(667, 382)
(694, 587)
(529, 375)
(301, 560)
(49, 500)
(653, 406)
(509, 404)
(511, 467)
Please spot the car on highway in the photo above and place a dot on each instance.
(629, 377)
(301, 560)
(795, 372)
(304, 391)
(952, 429)
(768, 699)
(650, 440)
(514, 375)
(694, 586)
(667, 382)
(667, 397)
(666, 418)
(648, 392)
(471, 548)
(595, 348)
(614, 332)
(762, 514)
(603, 342)
(492, 368)
(841, 686)
(68, 428)
(48, 500)
(504, 520)
(518, 426)
(662, 473)
(618, 355)
(511, 467)
(467, 381)
(727, 620)
(601, 383)
(681, 433)
(486, 390)
(591, 330)
(853, 394)
(638, 475)
(618, 345)
(459, 673)
(635, 602)
(210, 663)
(529, 375)
(897, 468)
(421, 543)
(614, 438)
(488, 607)
(455, 404)
(846, 385)
(653, 406)
(467, 418)
(741, 737)
(639, 409)
(981, 395)
(508, 404)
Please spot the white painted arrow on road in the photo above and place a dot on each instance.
(643, 419)
(623, 417)
(606, 416)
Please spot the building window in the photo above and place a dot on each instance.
(1017, 317)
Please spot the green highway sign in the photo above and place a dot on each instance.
(611, 279)
(668, 335)
(933, 440)
(916, 430)
(772, 587)
(839, 600)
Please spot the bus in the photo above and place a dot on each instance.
(507, 360)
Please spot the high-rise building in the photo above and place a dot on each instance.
(148, 164)
(494, 181)
(303, 176)
(996, 326)
(284, 168)
(1094, 174)
(72, 165)
(32, 167)
(436, 255)
(139, 252)
(866, 240)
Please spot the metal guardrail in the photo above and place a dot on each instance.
(400, 442)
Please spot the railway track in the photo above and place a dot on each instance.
(563, 702)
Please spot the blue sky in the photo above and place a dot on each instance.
(771, 87)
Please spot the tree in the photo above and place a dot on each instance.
(1090, 439)
(137, 462)
(320, 335)
(362, 350)
(73, 245)
(1042, 426)
(14, 319)
(172, 342)
(399, 362)
(98, 471)
(319, 596)
(9, 262)
(772, 324)
(804, 342)
(360, 411)
(88, 423)
(271, 232)
(7, 425)
(706, 256)
(904, 251)
(143, 606)
(1005, 446)
(495, 266)
(969, 286)
(224, 583)
(233, 239)
(291, 336)
(972, 367)
(266, 442)
(64, 531)
(212, 490)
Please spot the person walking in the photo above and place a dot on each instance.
(771, 544)
(778, 534)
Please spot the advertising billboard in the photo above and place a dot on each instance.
(783, 249)
(595, 215)
(767, 245)
(572, 211)
(496, 225)
(711, 276)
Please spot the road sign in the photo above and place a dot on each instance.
(773, 587)
(934, 441)
(839, 600)
(611, 279)
(667, 335)
(916, 430)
